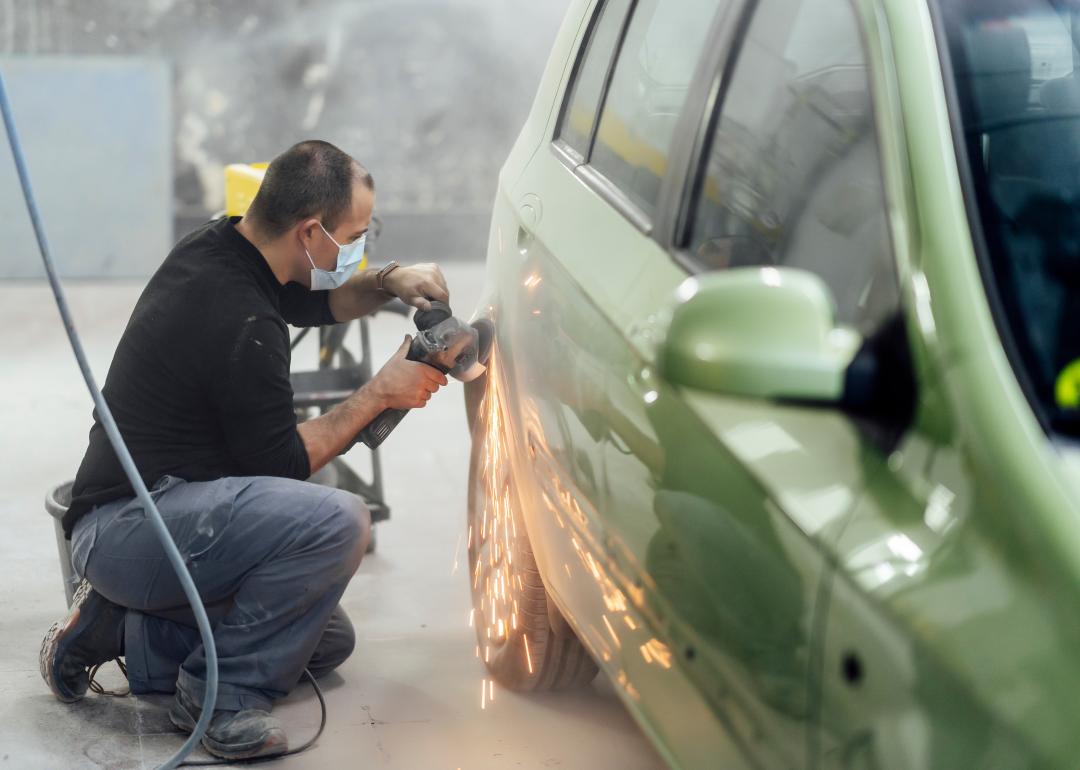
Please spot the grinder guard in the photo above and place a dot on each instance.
(455, 348)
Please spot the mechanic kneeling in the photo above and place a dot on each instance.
(199, 385)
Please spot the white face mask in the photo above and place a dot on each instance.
(348, 259)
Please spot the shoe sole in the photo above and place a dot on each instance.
(185, 722)
(49, 645)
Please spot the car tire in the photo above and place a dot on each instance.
(537, 649)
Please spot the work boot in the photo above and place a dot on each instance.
(91, 634)
(241, 734)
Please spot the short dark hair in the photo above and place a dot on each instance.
(310, 179)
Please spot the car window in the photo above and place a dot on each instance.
(1016, 72)
(583, 99)
(663, 42)
(791, 175)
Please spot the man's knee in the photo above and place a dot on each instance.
(351, 521)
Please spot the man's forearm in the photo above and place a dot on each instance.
(358, 297)
(326, 436)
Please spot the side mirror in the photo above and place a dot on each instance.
(765, 332)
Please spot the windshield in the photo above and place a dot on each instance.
(1015, 66)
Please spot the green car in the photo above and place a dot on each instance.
(781, 426)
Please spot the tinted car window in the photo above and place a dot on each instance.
(583, 100)
(792, 175)
(648, 89)
(1016, 68)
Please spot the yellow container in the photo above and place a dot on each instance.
(242, 181)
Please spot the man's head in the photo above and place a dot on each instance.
(311, 186)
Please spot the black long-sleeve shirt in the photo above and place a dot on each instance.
(199, 383)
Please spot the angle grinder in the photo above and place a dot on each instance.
(455, 348)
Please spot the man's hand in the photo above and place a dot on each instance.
(405, 384)
(400, 384)
(417, 285)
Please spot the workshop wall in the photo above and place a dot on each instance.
(97, 133)
(430, 94)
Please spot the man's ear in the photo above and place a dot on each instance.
(306, 232)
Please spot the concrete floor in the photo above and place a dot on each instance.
(409, 697)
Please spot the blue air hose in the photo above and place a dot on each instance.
(107, 421)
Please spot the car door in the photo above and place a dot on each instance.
(570, 256)
(588, 203)
(719, 505)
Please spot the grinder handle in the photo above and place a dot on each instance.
(376, 431)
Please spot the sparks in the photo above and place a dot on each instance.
(528, 658)
(491, 546)
(457, 550)
(611, 631)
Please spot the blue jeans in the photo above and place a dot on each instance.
(271, 558)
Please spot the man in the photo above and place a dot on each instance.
(199, 386)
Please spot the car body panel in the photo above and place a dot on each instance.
(554, 365)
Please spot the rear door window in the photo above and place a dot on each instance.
(594, 63)
(664, 40)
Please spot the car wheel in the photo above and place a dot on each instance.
(522, 637)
